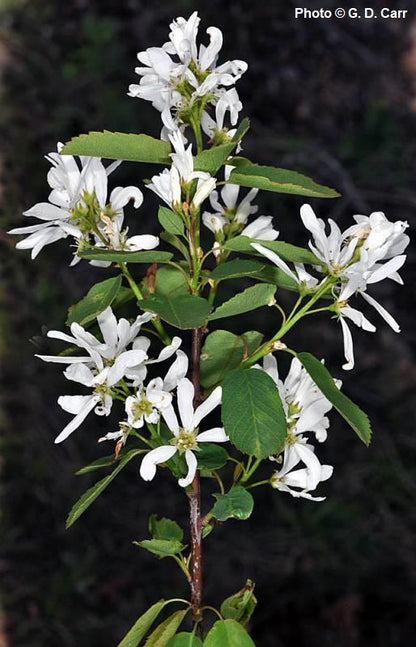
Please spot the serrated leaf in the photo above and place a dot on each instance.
(161, 547)
(165, 528)
(104, 461)
(94, 492)
(185, 639)
(142, 626)
(170, 221)
(165, 631)
(351, 412)
(252, 298)
(223, 351)
(235, 268)
(269, 178)
(184, 311)
(228, 633)
(252, 412)
(211, 456)
(235, 504)
(95, 302)
(286, 251)
(119, 256)
(211, 159)
(119, 146)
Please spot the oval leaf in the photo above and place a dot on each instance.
(352, 413)
(228, 633)
(165, 632)
(185, 639)
(252, 412)
(119, 146)
(235, 268)
(98, 299)
(142, 626)
(171, 221)
(211, 456)
(161, 547)
(165, 528)
(235, 504)
(224, 351)
(120, 256)
(280, 180)
(254, 297)
(184, 311)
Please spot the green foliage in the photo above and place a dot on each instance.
(286, 251)
(228, 633)
(212, 159)
(161, 547)
(211, 456)
(94, 492)
(223, 351)
(169, 281)
(185, 639)
(235, 504)
(352, 413)
(252, 298)
(184, 311)
(252, 412)
(119, 256)
(170, 221)
(103, 461)
(175, 242)
(165, 631)
(235, 268)
(241, 605)
(142, 626)
(269, 178)
(98, 299)
(164, 528)
(119, 146)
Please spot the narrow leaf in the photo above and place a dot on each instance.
(235, 268)
(269, 178)
(119, 146)
(165, 632)
(94, 492)
(98, 299)
(351, 412)
(224, 351)
(171, 221)
(286, 251)
(104, 461)
(252, 298)
(120, 256)
(236, 504)
(252, 412)
(228, 633)
(142, 626)
(184, 311)
(161, 547)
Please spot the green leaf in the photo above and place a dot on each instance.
(175, 242)
(184, 311)
(161, 547)
(228, 633)
(104, 461)
(352, 413)
(241, 605)
(235, 504)
(212, 159)
(273, 274)
(252, 298)
(165, 528)
(252, 412)
(165, 632)
(235, 268)
(170, 282)
(95, 302)
(211, 456)
(119, 146)
(286, 251)
(185, 639)
(94, 492)
(223, 351)
(119, 256)
(171, 221)
(279, 180)
(142, 626)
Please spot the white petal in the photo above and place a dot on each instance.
(153, 458)
(80, 373)
(276, 260)
(121, 196)
(171, 420)
(143, 241)
(89, 403)
(207, 406)
(62, 359)
(108, 326)
(348, 346)
(215, 435)
(382, 311)
(192, 463)
(186, 394)
(386, 270)
(177, 371)
(128, 359)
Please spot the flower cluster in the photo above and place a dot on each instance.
(182, 80)
(79, 207)
(305, 408)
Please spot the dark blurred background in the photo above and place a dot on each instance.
(335, 99)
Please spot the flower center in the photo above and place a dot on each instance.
(185, 440)
(140, 408)
(291, 438)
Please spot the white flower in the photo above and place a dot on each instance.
(304, 480)
(78, 208)
(185, 437)
(299, 275)
(261, 228)
(381, 239)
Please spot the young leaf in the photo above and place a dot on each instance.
(142, 626)
(184, 311)
(241, 605)
(119, 146)
(228, 633)
(252, 298)
(175, 242)
(165, 631)
(211, 456)
(170, 221)
(279, 180)
(185, 639)
(235, 268)
(352, 413)
(120, 256)
(94, 492)
(286, 251)
(223, 351)
(161, 547)
(235, 504)
(98, 299)
(212, 159)
(165, 529)
(252, 412)
(104, 461)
